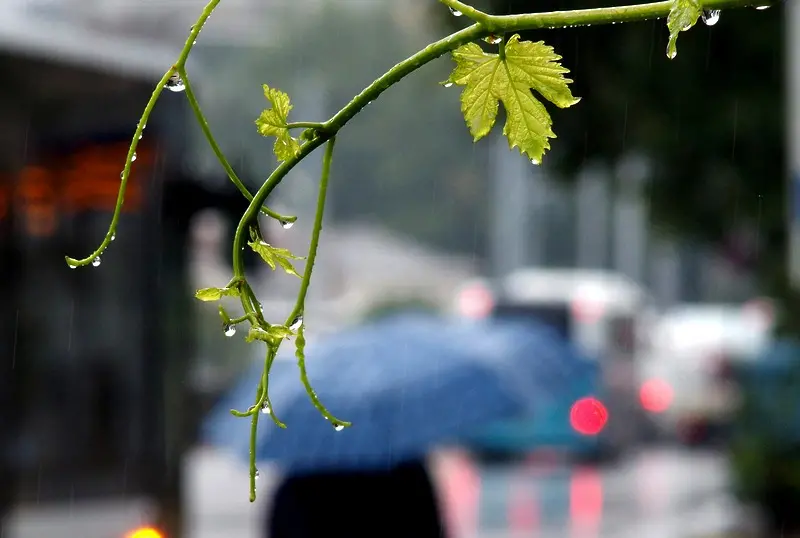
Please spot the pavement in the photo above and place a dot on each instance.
(659, 492)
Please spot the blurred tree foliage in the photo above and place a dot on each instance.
(712, 119)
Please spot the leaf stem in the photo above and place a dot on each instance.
(305, 125)
(201, 119)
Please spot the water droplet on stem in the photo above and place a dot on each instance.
(266, 409)
(297, 323)
(762, 8)
(711, 16)
(229, 330)
(286, 224)
(175, 83)
(455, 12)
(338, 427)
(96, 262)
(133, 157)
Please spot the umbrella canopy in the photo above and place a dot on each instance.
(406, 383)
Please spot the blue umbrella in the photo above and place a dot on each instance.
(406, 383)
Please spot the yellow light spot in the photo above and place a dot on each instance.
(144, 532)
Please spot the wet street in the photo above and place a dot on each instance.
(661, 492)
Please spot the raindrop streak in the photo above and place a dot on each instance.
(286, 224)
(175, 83)
(455, 12)
(96, 262)
(266, 409)
(297, 323)
(230, 330)
(493, 39)
(338, 427)
(711, 16)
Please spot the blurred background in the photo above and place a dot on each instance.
(658, 235)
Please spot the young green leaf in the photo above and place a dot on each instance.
(280, 331)
(275, 256)
(682, 15)
(215, 294)
(257, 333)
(273, 121)
(489, 79)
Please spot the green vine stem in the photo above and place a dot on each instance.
(201, 119)
(681, 14)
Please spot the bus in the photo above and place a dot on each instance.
(96, 412)
(607, 316)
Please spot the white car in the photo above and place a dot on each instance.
(684, 378)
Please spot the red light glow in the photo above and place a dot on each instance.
(588, 416)
(656, 396)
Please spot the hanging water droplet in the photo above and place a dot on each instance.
(266, 409)
(536, 161)
(96, 262)
(671, 53)
(338, 427)
(122, 175)
(455, 12)
(258, 474)
(175, 83)
(447, 84)
(133, 157)
(113, 237)
(286, 224)
(72, 266)
(493, 39)
(194, 42)
(762, 8)
(297, 323)
(229, 329)
(711, 16)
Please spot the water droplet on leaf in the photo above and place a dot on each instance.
(447, 84)
(711, 16)
(536, 161)
(455, 12)
(493, 39)
(229, 329)
(266, 409)
(72, 266)
(96, 262)
(286, 224)
(297, 323)
(338, 427)
(175, 83)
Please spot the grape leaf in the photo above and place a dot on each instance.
(273, 121)
(682, 15)
(489, 79)
(215, 294)
(275, 256)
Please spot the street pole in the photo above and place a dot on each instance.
(793, 138)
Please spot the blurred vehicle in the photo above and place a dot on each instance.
(764, 448)
(606, 316)
(686, 378)
(96, 412)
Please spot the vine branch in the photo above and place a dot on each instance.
(318, 133)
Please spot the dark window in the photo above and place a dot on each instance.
(556, 317)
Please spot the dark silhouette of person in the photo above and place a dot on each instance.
(397, 502)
